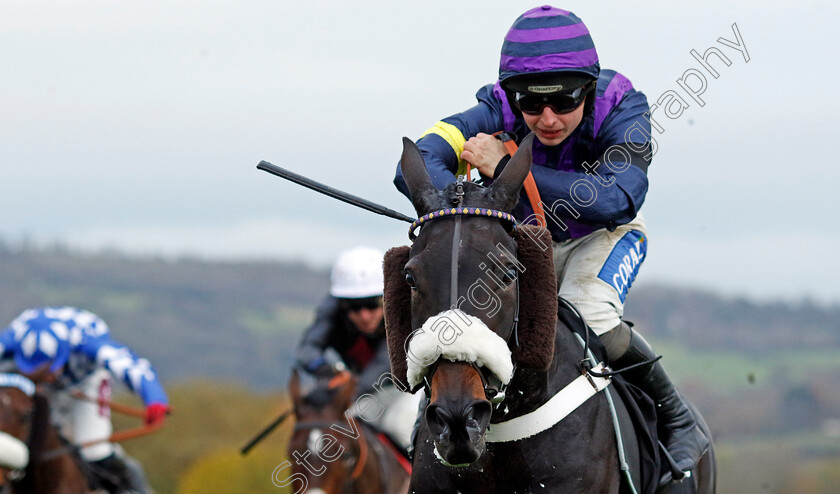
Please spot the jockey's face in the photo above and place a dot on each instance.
(552, 128)
(367, 320)
(43, 374)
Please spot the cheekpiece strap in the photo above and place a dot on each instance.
(491, 213)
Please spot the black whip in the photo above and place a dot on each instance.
(265, 432)
(332, 192)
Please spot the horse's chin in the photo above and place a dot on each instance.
(459, 455)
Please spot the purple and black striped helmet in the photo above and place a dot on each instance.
(545, 43)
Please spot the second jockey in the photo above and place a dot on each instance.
(70, 350)
(349, 333)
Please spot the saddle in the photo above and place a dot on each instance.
(636, 414)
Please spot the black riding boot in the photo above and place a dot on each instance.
(117, 476)
(679, 433)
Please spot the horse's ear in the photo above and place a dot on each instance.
(346, 392)
(397, 302)
(416, 177)
(506, 188)
(537, 298)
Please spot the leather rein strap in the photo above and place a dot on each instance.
(530, 184)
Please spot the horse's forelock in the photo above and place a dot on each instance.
(319, 398)
(475, 196)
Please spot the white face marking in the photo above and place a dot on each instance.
(315, 435)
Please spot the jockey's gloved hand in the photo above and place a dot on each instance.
(327, 369)
(327, 365)
(156, 413)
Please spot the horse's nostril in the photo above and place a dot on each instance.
(467, 423)
(480, 412)
(437, 418)
(477, 416)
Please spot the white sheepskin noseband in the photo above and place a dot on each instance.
(13, 452)
(459, 337)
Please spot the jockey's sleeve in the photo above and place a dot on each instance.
(136, 373)
(442, 144)
(610, 191)
(316, 338)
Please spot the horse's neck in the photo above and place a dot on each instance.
(531, 388)
(49, 476)
(383, 473)
(370, 479)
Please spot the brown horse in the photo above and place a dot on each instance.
(483, 338)
(51, 467)
(334, 452)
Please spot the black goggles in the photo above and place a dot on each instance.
(560, 103)
(357, 304)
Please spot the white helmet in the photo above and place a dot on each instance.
(357, 274)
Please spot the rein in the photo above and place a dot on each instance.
(116, 437)
(530, 185)
(586, 362)
(113, 438)
(113, 406)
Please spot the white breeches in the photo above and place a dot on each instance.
(81, 421)
(595, 272)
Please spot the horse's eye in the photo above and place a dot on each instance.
(409, 278)
(510, 275)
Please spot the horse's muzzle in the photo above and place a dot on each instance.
(458, 430)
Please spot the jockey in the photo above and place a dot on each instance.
(70, 350)
(592, 150)
(349, 333)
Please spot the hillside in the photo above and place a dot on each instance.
(190, 318)
(241, 321)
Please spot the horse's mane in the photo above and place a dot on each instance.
(37, 439)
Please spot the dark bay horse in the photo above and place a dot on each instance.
(25, 425)
(483, 338)
(331, 451)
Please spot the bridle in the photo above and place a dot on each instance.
(336, 381)
(361, 459)
(17, 381)
(494, 389)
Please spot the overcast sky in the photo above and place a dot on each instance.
(138, 125)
